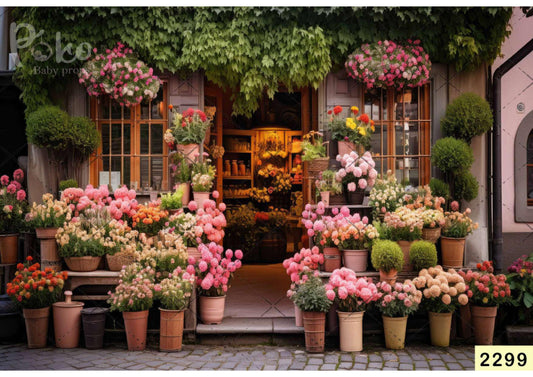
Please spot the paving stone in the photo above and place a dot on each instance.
(346, 357)
(328, 367)
(375, 365)
(211, 366)
(374, 357)
(454, 366)
(311, 367)
(359, 366)
(418, 356)
(435, 363)
(448, 358)
(228, 365)
(315, 362)
(391, 364)
(270, 367)
(331, 359)
(297, 366)
(361, 359)
(405, 359)
(345, 365)
(439, 368)
(406, 367)
(196, 365)
(467, 363)
(421, 364)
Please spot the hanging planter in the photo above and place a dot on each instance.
(120, 75)
(386, 64)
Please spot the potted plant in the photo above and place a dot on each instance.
(299, 267)
(149, 219)
(352, 132)
(203, 174)
(313, 301)
(326, 185)
(387, 258)
(356, 237)
(356, 173)
(430, 208)
(66, 184)
(520, 278)
(13, 206)
(181, 172)
(213, 278)
(172, 202)
(188, 132)
(457, 227)
(486, 292)
(185, 224)
(443, 292)
(353, 297)
(35, 291)
(133, 296)
(120, 245)
(385, 196)
(46, 218)
(124, 205)
(314, 152)
(174, 293)
(397, 301)
(423, 254)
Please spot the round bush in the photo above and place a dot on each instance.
(67, 183)
(386, 255)
(423, 254)
(467, 116)
(452, 155)
(83, 135)
(47, 127)
(439, 188)
(466, 187)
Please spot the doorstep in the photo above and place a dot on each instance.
(251, 326)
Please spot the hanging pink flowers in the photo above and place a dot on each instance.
(385, 63)
(119, 74)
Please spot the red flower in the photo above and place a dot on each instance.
(337, 110)
(329, 112)
(29, 258)
(170, 107)
(364, 118)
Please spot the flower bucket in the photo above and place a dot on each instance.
(136, 324)
(355, 260)
(116, 261)
(345, 147)
(67, 321)
(355, 197)
(212, 309)
(189, 151)
(483, 320)
(394, 329)
(9, 248)
(351, 331)
(317, 165)
(431, 234)
(93, 327)
(315, 329)
(83, 264)
(405, 246)
(36, 326)
(388, 276)
(171, 330)
(332, 259)
(452, 250)
(48, 245)
(324, 197)
(200, 198)
(186, 189)
(440, 325)
(298, 316)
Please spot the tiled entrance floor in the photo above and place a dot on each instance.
(259, 291)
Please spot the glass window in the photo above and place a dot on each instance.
(530, 170)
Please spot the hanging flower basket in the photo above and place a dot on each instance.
(119, 74)
(385, 64)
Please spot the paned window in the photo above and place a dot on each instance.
(530, 169)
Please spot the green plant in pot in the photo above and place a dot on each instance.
(456, 228)
(314, 152)
(203, 174)
(312, 300)
(423, 254)
(387, 258)
(520, 278)
(180, 170)
(172, 201)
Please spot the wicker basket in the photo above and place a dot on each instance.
(83, 264)
(318, 165)
(115, 262)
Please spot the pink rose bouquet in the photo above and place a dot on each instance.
(301, 266)
(399, 299)
(210, 221)
(352, 294)
(13, 204)
(357, 171)
(91, 198)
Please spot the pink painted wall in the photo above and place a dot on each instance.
(517, 87)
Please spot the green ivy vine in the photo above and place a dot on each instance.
(254, 49)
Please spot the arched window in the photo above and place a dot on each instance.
(523, 170)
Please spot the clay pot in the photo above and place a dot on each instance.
(332, 259)
(355, 260)
(186, 189)
(36, 326)
(193, 252)
(190, 151)
(9, 247)
(93, 327)
(388, 276)
(298, 316)
(351, 331)
(431, 234)
(67, 321)
(452, 250)
(212, 309)
(405, 246)
(324, 197)
(136, 324)
(200, 198)
(117, 261)
(48, 245)
(315, 330)
(171, 330)
(345, 147)
(440, 325)
(83, 264)
(394, 329)
(483, 320)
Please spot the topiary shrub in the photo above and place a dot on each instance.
(467, 116)
(67, 183)
(423, 254)
(466, 187)
(47, 127)
(84, 137)
(439, 188)
(386, 255)
(311, 296)
(452, 156)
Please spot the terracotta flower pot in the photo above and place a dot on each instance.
(351, 331)
(190, 151)
(117, 261)
(452, 250)
(355, 260)
(9, 248)
(67, 321)
(332, 259)
(405, 246)
(483, 320)
(431, 234)
(324, 197)
(298, 316)
(36, 326)
(48, 245)
(136, 324)
(345, 147)
(186, 189)
(394, 329)
(315, 330)
(193, 252)
(212, 309)
(388, 276)
(440, 325)
(171, 330)
(83, 264)
(200, 198)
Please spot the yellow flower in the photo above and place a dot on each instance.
(485, 300)
(350, 123)
(373, 128)
(362, 131)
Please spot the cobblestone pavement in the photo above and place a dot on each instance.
(201, 357)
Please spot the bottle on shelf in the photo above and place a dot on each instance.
(242, 168)
(234, 168)
(227, 167)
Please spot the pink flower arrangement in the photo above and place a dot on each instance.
(210, 220)
(357, 171)
(385, 64)
(353, 294)
(485, 288)
(301, 266)
(124, 206)
(399, 299)
(135, 291)
(13, 202)
(215, 269)
(78, 199)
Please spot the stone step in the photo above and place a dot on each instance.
(251, 326)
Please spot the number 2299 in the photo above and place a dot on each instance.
(508, 359)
